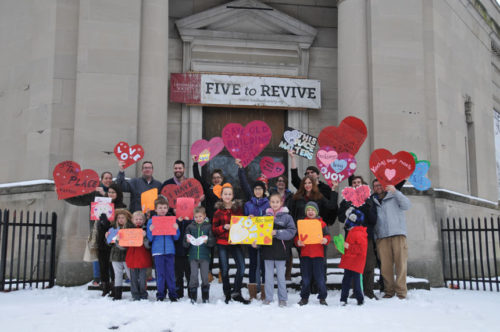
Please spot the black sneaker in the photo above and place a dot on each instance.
(239, 298)
(360, 302)
(173, 300)
(344, 303)
(303, 301)
(228, 299)
(323, 302)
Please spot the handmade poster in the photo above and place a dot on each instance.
(148, 200)
(301, 143)
(189, 188)
(129, 154)
(357, 196)
(246, 230)
(130, 237)
(310, 231)
(184, 208)
(103, 199)
(112, 233)
(338, 241)
(391, 169)
(347, 137)
(71, 180)
(164, 225)
(247, 142)
(333, 166)
(418, 178)
(204, 151)
(271, 168)
(98, 208)
(196, 241)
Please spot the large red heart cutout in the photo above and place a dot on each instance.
(357, 196)
(71, 181)
(271, 168)
(189, 188)
(389, 168)
(347, 137)
(204, 151)
(129, 154)
(247, 142)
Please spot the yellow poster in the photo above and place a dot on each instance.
(246, 230)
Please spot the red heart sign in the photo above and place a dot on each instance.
(389, 168)
(129, 154)
(270, 168)
(357, 196)
(204, 151)
(71, 181)
(247, 142)
(189, 188)
(347, 137)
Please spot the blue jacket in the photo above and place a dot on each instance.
(256, 206)
(161, 244)
(391, 214)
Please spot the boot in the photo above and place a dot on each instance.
(210, 277)
(252, 291)
(193, 295)
(238, 298)
(288, 268)
(117, 293)
(204, 293)
(262, 292)
(106, 287)
(220, 278)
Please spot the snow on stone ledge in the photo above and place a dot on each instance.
(25, 183)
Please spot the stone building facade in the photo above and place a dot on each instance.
(78, 76)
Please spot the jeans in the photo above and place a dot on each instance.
(256, 271)
(138, 286)
(239, 259)
(346, 285)
(313, 267)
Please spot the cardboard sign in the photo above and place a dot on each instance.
(204, 151)
(391, 169)
(129, 154)
(184, 208)
(148, 199)
(112, 233)
(310, 231)
(98, 208)
(333, 166)
(271, 168)
(71, 181)
(338, 241)
(357, 196)
(164, 225)
(102, 199)
(246, 230)
(301, 143)
(418, 178)
(247, 142)
(347, 137)
(130, 237)
(188, 188)
(196, 241)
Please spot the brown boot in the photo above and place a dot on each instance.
(252, 291)
(262, 292)
(210, 277)
(220, 278)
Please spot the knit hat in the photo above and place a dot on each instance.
(312, 205)
(259, 184)
(263, 179)
(313, 168)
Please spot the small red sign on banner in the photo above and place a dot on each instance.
(185, 88)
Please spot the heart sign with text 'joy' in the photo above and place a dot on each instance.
(271, 168)
(71, 181)
(129, 154)
(204, 151)
(347, 137)
(391, 169)
(333, 166)
(247, 142)
(357, 196)
(188, 188)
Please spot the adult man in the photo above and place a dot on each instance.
(390, 235)
(137, 186)
(178, 177)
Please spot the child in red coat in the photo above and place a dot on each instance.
(353, 262)
(138, 260)
(312, 263)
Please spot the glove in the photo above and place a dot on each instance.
(353, 217)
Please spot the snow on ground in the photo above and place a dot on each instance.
(77, 309)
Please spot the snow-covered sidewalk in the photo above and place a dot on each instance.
(77, 309)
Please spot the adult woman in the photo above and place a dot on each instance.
(281, 187)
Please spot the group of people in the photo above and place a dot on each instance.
(377, 228)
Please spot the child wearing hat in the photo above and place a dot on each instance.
(312, 262)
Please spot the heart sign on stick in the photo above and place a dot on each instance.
(204, 151)
(247, 142)
(71, 181)
(347, 137)
(271, 168)
(391, 169)
(357, 196)
(333, 166)
(188, 188)
(129, 154)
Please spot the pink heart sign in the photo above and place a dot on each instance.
(357, 196)
(71, 180)
(389, 168)
(204, 151)
(247, 142)
(338, 169)
(129, 154)
(270, 168)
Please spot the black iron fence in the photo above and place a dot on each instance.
(469, 249)
(27, 250)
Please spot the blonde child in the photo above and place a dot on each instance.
(117, 256)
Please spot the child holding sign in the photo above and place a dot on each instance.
(312, 262)
(199, 240)
(163, 249)
(276, 254)
(138, 261)
(118, 253)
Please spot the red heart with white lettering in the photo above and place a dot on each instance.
(357, 196)
(71, 181)
(129, 154)
(188, 188)
(271, 168)
(389, 168)
(347, 137)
